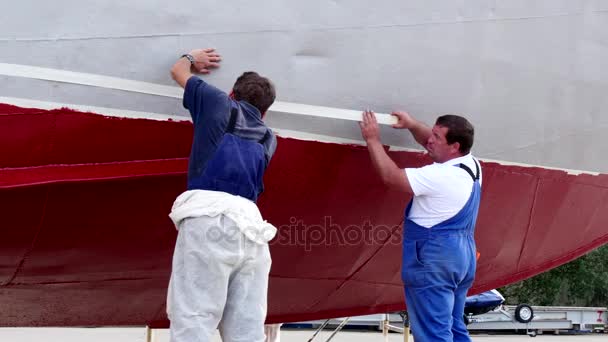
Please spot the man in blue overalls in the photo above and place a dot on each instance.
(439, 254)
(221, 260)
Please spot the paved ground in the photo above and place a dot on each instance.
(138, 335)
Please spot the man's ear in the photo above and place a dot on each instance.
(231, 94)
(455, 147)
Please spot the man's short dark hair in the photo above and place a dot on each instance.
(460, 130)
(254, 89)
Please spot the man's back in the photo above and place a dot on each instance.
(441, 189)
(211, 110)
(221, 260)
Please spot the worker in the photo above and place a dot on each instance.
(221, 262)
(439, 253)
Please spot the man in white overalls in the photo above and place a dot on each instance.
(221, 261)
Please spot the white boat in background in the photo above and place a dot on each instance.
(82, 248)
(535, 71)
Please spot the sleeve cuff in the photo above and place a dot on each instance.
(190, 90)
(410, 173)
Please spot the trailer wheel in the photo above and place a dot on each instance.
(524, 313)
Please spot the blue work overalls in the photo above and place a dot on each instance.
(237, 166)
(438, 269)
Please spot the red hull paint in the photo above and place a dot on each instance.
(86, 240)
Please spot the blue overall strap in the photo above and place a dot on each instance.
(234, 113)
(475, 175)
(265, 137)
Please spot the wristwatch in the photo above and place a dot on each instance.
(188, 57)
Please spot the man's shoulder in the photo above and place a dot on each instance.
(196, 86)
(442, 172)
(470, 162)
(430, 168)
(425, 175)
(203, 99)
(463, 170)
(467, 160)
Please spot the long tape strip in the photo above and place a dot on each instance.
(94, 80)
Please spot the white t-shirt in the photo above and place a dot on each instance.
(440, 190)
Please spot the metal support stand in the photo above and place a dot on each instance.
(406, 325)
(148, 334)
(338, 329)
(321, 327)
(342, 324)
(405, 330)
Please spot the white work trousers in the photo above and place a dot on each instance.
(219, 280)
(273, 332)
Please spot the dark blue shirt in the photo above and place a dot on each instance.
(210, 111)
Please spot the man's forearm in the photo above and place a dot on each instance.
(421, 132)
(390, 173)
(384, 165)
(181, 71)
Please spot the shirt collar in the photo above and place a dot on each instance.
(458, 160)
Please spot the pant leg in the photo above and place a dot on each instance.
(430, 313)
(459, 328)
(245, 310)
(437, 273)
(273, 332)
(202, 262)
(430, 275)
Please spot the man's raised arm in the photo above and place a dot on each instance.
(420, 131)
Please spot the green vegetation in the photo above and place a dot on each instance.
(581, 282)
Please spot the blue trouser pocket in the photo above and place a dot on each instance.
(413, 272)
